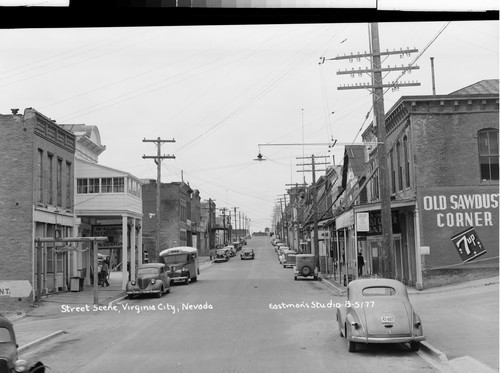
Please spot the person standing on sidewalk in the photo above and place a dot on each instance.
(104, 273)
(361, 264)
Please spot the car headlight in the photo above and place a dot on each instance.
(153, 281)
(21, 366)
(132, 283)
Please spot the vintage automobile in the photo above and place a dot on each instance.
(9, 360)
(378, 310)
(151, 278)
(247, 253)
(222, 255)
(305, 266)
(281, 253)
(237, 245)
(232, 250)
(288, 258)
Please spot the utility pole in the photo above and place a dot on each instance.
(157, 160)
(235, 224)
(386, 252)
(315, 202)
(224, 226)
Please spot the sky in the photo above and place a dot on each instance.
(221, 91)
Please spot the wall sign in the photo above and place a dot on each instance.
(468, 245)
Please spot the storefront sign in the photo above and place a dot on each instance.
(363, 222)
(468, 245)
(345, 220)
(461, 210)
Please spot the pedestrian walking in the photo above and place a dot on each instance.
(361, 263)
(104, 274)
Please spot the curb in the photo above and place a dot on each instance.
(39, 341)
(433, 352)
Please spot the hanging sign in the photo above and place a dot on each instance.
(468, 245)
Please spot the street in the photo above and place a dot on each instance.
(241, 316)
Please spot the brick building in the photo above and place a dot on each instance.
(180, 215)
(443, 165)
(37, 199)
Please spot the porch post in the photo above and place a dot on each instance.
(124, 252)
(132, 249)
(139, 242)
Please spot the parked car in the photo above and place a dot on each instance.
(379, 311)
(151, 278)
(237, 245)
(247, 253)
(281, 253)
(222, 255)
(9, 359)
(305, 266)
(288, 258)
(232, 250)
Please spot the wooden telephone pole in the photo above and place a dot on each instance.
(386, 252)
(315, 201)
(157, 158)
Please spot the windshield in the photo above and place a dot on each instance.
(175, 258)
(5, 335)
(147, 271)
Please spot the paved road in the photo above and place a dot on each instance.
(225, 322)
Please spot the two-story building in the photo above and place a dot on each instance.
(443, 165)
(177, 227)
(108, 203)
(36, 201)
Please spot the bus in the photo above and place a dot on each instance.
(183, 262)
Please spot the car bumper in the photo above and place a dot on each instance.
(143, 291)
(178, 279)
(360, 339)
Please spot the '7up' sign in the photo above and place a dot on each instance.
(468, 245)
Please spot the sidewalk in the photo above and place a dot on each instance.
(51, 306)
(450, 332)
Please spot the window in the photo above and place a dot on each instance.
(118, 185)
(50, 189)
(39, 187)
(400, 166)
(488, 153)
(379, 291)
(407, 161)
(81, 186)
(107, 185)
(393, 172)
(94, 185)
(59, 181)
(69, 192)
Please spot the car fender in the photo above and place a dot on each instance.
(354, 324)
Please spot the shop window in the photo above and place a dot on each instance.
(488, 153)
